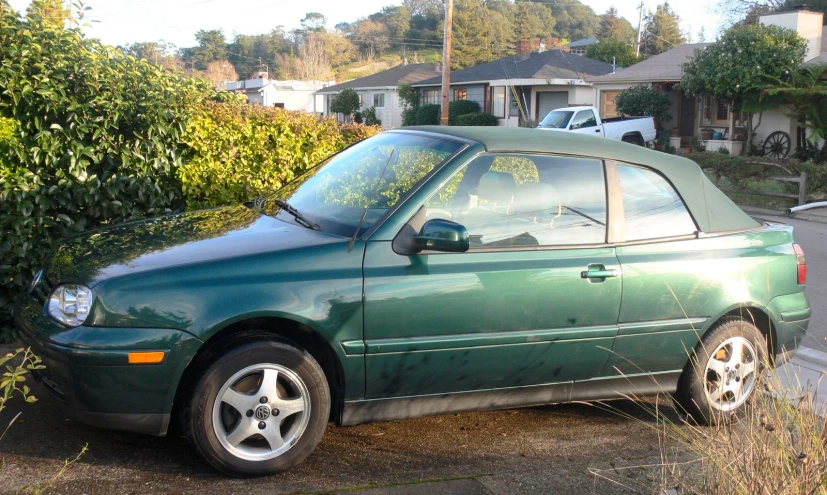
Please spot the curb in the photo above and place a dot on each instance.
(760, 212)
(809, 217)
(811, 358)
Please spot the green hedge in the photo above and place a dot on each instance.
(428, 114)
(477, 119)
(90, 137)
(241, 150)
(461, 107)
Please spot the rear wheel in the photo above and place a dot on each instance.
(260, 408)
(633, 139)
(723, 372)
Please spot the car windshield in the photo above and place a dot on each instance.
(366, 179)
(557, 119)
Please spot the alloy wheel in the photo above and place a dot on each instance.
(730, 374)
(261, 412)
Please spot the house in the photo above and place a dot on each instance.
(690, 115)
(290, 95)
(522, 87)
(381, 90)
(579, 47)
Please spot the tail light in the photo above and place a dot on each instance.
(801, 261)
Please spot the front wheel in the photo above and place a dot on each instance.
(723, 372)
(260, 408)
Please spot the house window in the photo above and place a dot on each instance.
(430, 97)
(707, 109)
(360, 100)
(461, 94)
(497, 98)
(721, 112)
(379, 100)
(609, 105)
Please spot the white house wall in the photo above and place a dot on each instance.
(292, 100)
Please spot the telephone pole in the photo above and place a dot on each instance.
(639, 29)
(446, 59)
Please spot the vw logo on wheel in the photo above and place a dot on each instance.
(262, 413)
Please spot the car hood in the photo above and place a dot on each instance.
(174, 240)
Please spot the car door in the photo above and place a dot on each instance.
(673, 281)
(520, 307)
(585, 122)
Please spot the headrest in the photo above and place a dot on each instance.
(496, 187)
(534, 198)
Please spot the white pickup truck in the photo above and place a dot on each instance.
(585, 120)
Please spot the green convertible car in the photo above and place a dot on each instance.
(421, 271)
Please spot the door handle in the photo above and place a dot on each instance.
(597, 130)
(598, 271)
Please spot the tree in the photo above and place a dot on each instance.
(614, 26)
(219, 72)
(211, 47)
(315, 61)
(702, 35)
(473, 41)
(371, 37)
(409, 101)
(346, 102)
(644, 100)
(574, 20)
(313, 22)
(735, 68)
(53, 12)
(607, 49)
(663, 31)
(532, 20)
(156, 52)
(397, 19)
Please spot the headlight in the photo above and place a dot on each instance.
(70, 304)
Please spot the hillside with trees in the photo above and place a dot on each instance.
(484, 30)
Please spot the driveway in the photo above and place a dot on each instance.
(524, 451)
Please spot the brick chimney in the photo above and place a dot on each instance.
(523, 49)
(806, 23)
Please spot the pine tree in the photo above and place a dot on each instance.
(473, 40)
(663, 30)
(614, 26)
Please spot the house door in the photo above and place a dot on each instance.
(548, 101)
(687, 122)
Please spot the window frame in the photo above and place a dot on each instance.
(615, 211)
(375, 97)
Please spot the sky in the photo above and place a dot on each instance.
(118, 22)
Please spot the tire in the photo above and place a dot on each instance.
(704, 392)
(633, 139)
(263, 382)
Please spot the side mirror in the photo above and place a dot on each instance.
(442, 235)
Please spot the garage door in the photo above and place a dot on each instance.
(551, 100)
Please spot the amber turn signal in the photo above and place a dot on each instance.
(152, 357)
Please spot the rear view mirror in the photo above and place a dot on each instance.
(442, 235)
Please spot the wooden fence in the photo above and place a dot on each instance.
(801, 180)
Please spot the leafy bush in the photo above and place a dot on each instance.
(90, 137)
(409, 99)
(477, 119)
(370, 117)
(357, 117)
(346, 102)
(461, 107)
(428, 114)
(644, 100)
(816, 178)
(241, 151)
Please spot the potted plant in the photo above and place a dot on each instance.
(706, 133)
(675, 132)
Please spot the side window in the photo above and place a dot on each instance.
(584, 119)
(652, 207)
(525, 200)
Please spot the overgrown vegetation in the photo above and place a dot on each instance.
(428, 114)
(644, 100)
(90, 137)
(477, 119)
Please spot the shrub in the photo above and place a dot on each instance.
(477, 119)
(409, 99)
(346, 102)
(461, 107)
(240, 151)
(357, 117)
(644, 100)
(370, 117)
(95, 139)
(428, 114)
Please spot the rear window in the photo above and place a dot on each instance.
(652, 207)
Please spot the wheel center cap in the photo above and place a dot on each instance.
(262, 412)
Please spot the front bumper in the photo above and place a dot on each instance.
(87, 369)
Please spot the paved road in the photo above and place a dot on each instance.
(813, 238)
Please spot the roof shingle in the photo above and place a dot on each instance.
(392, 77)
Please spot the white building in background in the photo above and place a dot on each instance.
(290, 95)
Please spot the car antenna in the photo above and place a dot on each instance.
(365, 213)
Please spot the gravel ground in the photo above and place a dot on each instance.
(540, 450)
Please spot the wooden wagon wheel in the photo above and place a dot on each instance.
(777, 145)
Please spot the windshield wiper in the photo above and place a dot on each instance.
(284, 205)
